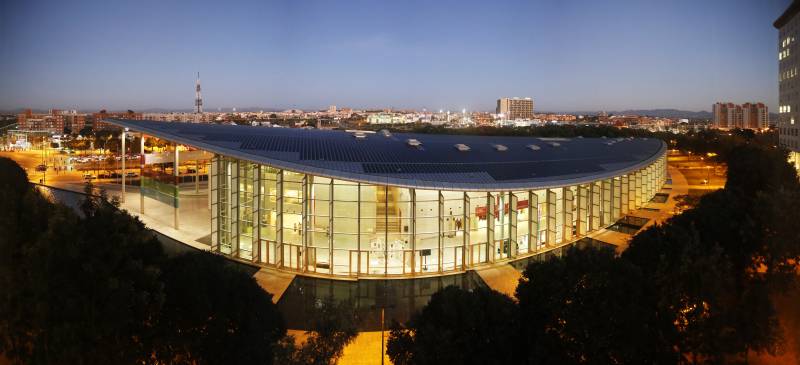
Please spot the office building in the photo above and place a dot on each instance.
(788, 99)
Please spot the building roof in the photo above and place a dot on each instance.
(417, 160)
(787, 15)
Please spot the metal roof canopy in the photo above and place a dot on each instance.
(434, 164)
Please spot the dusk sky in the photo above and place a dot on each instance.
(568, 55)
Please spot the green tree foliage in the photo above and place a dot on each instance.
(695, 289)
(94, 287)
(215, 313)
(79, 290)
(334, 327)
(458, 327)
(716, 266)
(590, 307)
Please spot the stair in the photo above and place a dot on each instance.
(387, 216)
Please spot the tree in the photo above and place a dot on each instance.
(718, 265)
(458, 327)
(333, 328)
(215, 313)
(76, 289)
(591, 307)
(93, 286)
(85, 131)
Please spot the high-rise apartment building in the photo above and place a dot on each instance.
(755, 116)
(745, 116)
(789, 83)
(515, 108)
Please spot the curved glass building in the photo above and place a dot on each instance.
(355, 204)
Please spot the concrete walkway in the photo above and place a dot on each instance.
(274, 282)
(503, 278)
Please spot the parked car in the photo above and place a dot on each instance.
(41, 168)
(131, 174)
(88, 177)
(115, 175)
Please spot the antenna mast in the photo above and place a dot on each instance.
(198, 99)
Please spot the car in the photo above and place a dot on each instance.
(103, 176)
(191, 171)
(88, 177)
(131, 174)
(115, 175)
(41, 168)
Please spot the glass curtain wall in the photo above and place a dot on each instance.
(326, 226)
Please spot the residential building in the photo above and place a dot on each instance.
(515, 108)
(53, 122)
(744, 116)
(98, 124)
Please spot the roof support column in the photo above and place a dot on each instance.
(624, 200)
(490, 205)
(568, 197)
(176, 173)
(141, 174)
(533, 221)
(550, 235)
(124, 155)
(583, 197)
(467, 244)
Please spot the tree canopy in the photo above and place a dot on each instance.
(95, 287)
(697, 288)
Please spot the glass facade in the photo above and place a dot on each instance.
(326, 226)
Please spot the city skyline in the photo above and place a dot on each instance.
(567, 57)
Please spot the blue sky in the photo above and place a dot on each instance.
(568, 55)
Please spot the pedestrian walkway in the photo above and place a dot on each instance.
(274, 282)
(503, 278)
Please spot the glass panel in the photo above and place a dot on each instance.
(478, 230)
(292, 210)
(345, 227)
(246, 208)
(522, 221)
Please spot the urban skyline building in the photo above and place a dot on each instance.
(744, 116)
(515, 108)
(788, 83)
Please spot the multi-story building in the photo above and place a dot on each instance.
(515, 108)
(483, 119)
(52, 122)
(745, 116)
(755, 116)
(724, 115)
(788, 86)
(75, 122)
(390, 118)
(98, 124)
